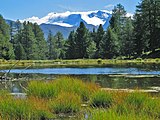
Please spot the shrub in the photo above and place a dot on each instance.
(66, 103)
(101, 99)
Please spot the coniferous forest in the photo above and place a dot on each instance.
(126, 37)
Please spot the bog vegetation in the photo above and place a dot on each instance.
(72, 98)
(134, 37)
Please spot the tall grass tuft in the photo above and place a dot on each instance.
(66, 103)
(74, 85)
(136, 100)
(41, 89)
(51, 89)
(103, 114)
(15, 109)
(101, 99)
(40, 108)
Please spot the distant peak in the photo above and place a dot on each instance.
(70, 19)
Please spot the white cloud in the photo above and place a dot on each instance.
(109, 6)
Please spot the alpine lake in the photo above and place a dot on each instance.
(145, 76)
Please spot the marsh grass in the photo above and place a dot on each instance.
(65, 95)
(66, 103)
(51, 89)
(101, 99)
(15, 109)
(74, 85)
(41, 89)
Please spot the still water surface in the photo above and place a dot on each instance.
(107, 77)
(86, 71)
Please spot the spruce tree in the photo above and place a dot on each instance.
(108, 45)
(6, 48)
(81, 41)
(70, 54)
(51, 46)
(99, 37)
(59, 44)
(117, 23)
(28, 42)
(19, 52)
(127, 41)
(40, 42)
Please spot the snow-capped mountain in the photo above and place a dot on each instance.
(68, 21)
(72, 19)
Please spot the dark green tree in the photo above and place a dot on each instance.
(19, 52)
(51, 46)
(6, 48)
(127, 41)
(70, 54)
(28, 41)
(99, 37)
(117, 24)
(40, 42)
(108, 46)
(81, 41)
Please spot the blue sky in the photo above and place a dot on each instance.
(20, 9)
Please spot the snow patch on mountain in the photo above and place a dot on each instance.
(62, 24)
(70, 19)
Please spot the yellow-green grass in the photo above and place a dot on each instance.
(66, 103)
(101, 99)
(76, 62)
(66, 95)
(51, 89)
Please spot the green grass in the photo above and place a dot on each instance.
(66, 103)
(102, 114)
(41, 89)
(101, 99)
(76, 62)
(51, 89)
(65, 95)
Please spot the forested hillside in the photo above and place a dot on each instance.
(125, 37)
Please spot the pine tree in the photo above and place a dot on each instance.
(40, 42)
(6, 48)
(28, 42)
(19, 52)
(71, 46)
(51, 46)
(117, 23)
(81, 41)
(91, 49)
(99, 37)
(140, 44)
(147, 26)
(59, 44)
(108, 46)
(127, 41)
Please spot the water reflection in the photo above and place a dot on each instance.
(106, 81)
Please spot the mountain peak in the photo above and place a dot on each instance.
(72, 19)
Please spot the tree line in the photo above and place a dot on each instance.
(126, 36)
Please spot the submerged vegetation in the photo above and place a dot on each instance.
(70, 97)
